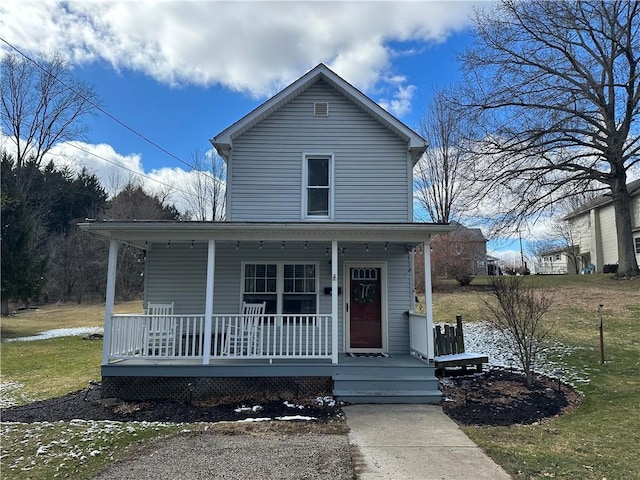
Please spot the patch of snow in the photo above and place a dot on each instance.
(485, 339)
(10, 394)
(329, 401)
(58, 332)
(296, 417)
(263, 419)
(293, 405)
(74, 441)
(254, 409)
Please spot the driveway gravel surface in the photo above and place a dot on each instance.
(217, 456)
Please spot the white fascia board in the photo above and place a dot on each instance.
(137, 233)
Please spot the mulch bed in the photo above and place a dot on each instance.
(495, 397)
(500, 397)
(87, 405)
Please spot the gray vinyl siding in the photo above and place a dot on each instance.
(178, 274)
(372, 178)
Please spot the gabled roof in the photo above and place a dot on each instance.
(223, 142)
(472, 234)
(632, 187)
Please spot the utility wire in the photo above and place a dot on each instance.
(77, 147)
(112, 117)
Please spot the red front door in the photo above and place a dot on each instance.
(365, 308)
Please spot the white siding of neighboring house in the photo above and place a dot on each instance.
(178, 274)
(372, 167)
(607, 220)
(596, 233)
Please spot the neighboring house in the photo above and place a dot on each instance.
(463, 249)
(493, 265)
(594, 227)
(319, 230)
(557, 262)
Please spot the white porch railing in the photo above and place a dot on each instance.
(232, 337)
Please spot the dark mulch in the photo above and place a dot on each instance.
(87, 405)
(500, 397)
(494, 397)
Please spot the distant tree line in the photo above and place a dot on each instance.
(45, 256)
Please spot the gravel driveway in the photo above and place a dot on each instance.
(217, 456)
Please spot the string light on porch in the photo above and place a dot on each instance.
(282, 247)
(260, 247)
(386, 246)
(193, 243)
(366, 247)
(168, 243)
(238, 245)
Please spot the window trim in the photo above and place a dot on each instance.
(279, 293)
(305, 170)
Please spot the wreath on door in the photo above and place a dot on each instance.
(364, 293)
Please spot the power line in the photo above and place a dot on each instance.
(112, 117)
(77, 147)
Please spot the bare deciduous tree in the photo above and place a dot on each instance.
(556, 88)
(438, 182)
(42, 104)
(517, 310)
(206, 193)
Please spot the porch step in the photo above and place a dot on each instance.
(412, 387)
(388, 396)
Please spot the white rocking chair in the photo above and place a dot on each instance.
(160, 329)
(244, 336)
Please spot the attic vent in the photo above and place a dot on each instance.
(321, 109)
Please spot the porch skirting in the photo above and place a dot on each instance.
(186, 389)
(394, 379)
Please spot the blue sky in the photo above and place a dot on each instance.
(179, 72)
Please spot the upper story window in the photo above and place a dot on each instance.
(318, 173)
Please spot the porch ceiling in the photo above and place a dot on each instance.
(139, 232)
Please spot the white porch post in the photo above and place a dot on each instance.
(334, 301)
(428, 298)
(208, 309)
(110, 299)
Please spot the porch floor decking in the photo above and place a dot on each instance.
(169, 367)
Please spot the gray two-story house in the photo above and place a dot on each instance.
(309, 281)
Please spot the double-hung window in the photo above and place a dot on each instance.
(318, 173)
(288, 288)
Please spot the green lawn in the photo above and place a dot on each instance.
(601, 438)
(51, 368)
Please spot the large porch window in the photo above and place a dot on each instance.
(287, 288)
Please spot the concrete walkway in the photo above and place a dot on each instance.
(414, 442)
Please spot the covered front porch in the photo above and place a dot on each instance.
(210, 270)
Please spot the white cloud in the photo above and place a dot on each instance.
(254, 47)
(400, 104)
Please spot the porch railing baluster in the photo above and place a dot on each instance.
(181, 337)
